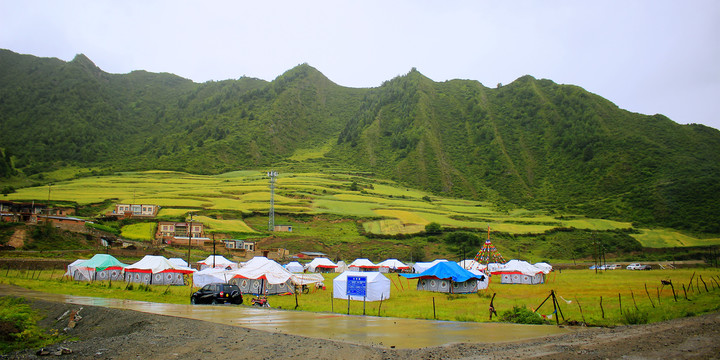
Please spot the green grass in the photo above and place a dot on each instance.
(141, 231)
(18, 321)
(659, 238)
(571, 287)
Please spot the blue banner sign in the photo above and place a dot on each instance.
(356, 285)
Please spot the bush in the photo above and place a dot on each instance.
(522, 315)
(636, 317)
(18, 326)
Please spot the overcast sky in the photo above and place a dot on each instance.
(645, 56)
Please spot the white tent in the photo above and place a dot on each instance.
(472, 265)
(210, 275)
(98, 267)
(217, 261)
(321, 265)
(156, 270)
(492, 267)
(392, 265)
(520, 272)
(482, 284)
(545, 267)
(256, 261)
(306, 279)
(362, 265)
(419, 267)
(263, 276)
(73, 266)
(294, 267)
(341, 267)
(178, 262)
(377, 286)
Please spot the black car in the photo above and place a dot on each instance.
(217, 293)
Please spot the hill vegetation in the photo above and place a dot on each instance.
(532, 143)
(351, 216)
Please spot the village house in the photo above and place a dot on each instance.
(179, 233)
(135, 210)
(64, 222)
(21, 212)
(239, 245)
(285, 228)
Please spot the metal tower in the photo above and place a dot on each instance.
(271, 214)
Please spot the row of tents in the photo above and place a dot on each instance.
(512, 272)
(325, 265)
(151, 269)
(259, 275)
(264, 276)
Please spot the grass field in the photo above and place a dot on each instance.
(620, 290)
(384, 207)
(141, 231)
(659, 238)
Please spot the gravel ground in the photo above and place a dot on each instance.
(104, 333)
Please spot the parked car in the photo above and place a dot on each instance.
(217, 293)
(638, 266)
(612, 267)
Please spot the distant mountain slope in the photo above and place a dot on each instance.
(532, 143)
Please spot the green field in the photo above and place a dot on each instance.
(620, 290)
(141, 231)
(659, 238)
(383, 207)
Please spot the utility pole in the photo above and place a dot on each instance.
(189, 239)
(271, 214)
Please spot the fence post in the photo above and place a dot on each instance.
(492, 307)
(581, 312)
(434, 316)
(648, 294)
(601, 308)
(620, 302)
(704, 284)
(673, 290)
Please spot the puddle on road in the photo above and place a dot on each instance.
(366, 330)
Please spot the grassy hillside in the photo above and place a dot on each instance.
(379, 219)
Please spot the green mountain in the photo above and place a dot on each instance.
(531, 143)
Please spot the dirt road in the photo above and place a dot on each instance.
(105, 333)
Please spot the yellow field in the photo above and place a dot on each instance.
(173, 212)
(659, 238)
(140, 231)
(219, 226)
(404, 210)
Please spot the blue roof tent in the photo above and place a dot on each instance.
(447, 277)
(446, 270)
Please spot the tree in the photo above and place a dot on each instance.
(433, 228)
(463, 243)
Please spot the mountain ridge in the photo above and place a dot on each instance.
(530, 143)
